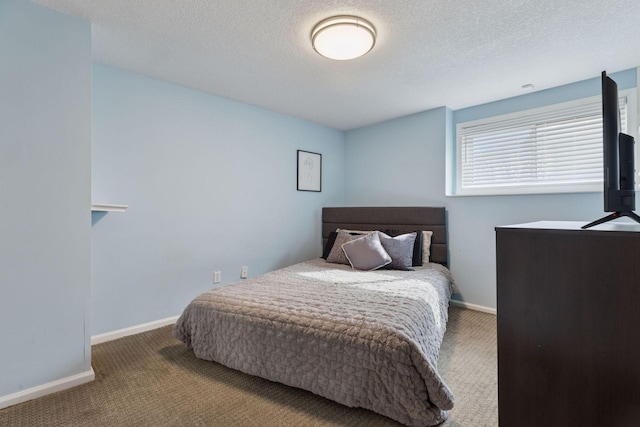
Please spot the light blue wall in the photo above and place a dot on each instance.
(45, 232)
(210, 184)
(402, 162)
(398, 162)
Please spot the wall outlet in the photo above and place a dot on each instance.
(216, 276)
(244, 273)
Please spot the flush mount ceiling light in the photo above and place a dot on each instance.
(343, 37)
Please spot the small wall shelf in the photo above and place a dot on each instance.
(106, 207)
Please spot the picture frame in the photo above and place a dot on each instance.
(309, 171)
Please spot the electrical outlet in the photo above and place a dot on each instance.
(244, 273)
(216, 276)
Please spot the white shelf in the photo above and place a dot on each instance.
(106, 207)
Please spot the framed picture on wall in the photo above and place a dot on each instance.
(309, 171)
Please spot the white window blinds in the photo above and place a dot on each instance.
(549, 149)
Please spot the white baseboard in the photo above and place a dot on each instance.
(473, 306)
(85, 377)
(44, 389)
(114, 335)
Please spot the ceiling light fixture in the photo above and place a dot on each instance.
(343, 37)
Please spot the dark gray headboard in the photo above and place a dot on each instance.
(397, 218)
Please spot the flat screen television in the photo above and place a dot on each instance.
(618, 159)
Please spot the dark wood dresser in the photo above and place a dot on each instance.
(568, 325)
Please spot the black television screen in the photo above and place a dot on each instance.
(618, 159)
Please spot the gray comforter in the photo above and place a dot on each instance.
(363, 339)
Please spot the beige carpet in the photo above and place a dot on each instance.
(151, 379)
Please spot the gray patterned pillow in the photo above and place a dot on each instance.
(337, 255)
(400, 248)
(366, 253)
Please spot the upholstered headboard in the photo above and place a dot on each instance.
(397, 218)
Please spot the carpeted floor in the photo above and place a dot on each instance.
(151, 379)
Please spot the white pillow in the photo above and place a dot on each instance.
(426, 246)
(366, 253)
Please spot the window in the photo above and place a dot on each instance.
(552, 149)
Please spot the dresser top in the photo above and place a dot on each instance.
(615, 225)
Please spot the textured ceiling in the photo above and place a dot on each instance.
(428, 53)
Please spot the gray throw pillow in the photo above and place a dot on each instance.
(337, 255)
(366, 253)
(400, 248)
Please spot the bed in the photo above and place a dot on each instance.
(366, 339)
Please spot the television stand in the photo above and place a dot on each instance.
(567, 325)
(614, 215)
